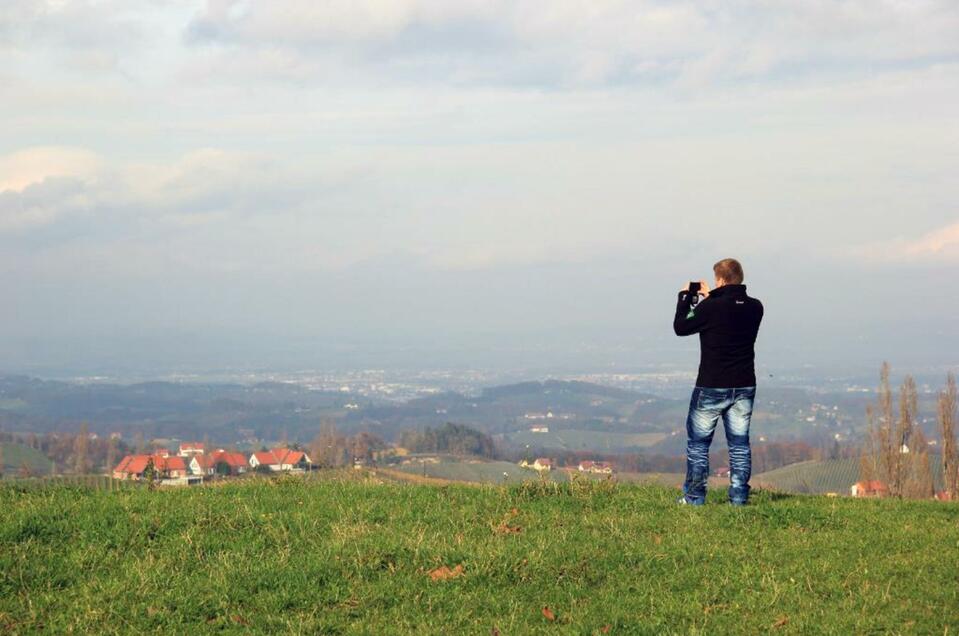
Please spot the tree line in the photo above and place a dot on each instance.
(896, 451)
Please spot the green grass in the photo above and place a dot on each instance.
(478, 471)
(352, 556)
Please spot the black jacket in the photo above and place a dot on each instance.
(727, 322)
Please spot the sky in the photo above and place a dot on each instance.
(429, 184)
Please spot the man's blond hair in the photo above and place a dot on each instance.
(729, 270)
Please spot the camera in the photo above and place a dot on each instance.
(694, 288)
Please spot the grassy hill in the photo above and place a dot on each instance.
(357, 556)
(835, 475)
(15, 456)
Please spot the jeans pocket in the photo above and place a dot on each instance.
(710, 398)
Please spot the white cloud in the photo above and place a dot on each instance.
(570, 42)
(938, 246)
(32, 165)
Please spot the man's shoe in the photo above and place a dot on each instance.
(682, 501)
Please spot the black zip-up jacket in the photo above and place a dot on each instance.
(727, 322)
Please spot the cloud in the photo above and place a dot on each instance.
(937, 246)
(571, 43)
(32, 165)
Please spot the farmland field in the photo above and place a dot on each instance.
(575, 439)
(818, 477)
(353, 555)
(17, 458)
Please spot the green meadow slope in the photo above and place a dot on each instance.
(17, 456)
(352, 555)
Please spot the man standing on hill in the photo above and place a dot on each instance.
(727, 321)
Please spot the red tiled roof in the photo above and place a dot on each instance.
(265, 457)
(136, 464)
(234, 460)
(287, 455)
(191, 446)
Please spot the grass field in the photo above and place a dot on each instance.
(575, 439)
(357, 556)
(484, 472)
(15, 456)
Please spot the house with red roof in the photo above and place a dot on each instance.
(134, 467)
(279, 459)
(235, 463)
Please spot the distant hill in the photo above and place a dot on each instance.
(835, 475)
(15, 456)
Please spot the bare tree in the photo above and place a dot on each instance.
(111, 454)
(947, 428)
(886, 444)
(869, 457)
(81, 465)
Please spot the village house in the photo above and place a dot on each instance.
(541, 464)
(280, 459)
(134, 467)
(871, 488)
(600, 468)
(235, 463)
(189, 449)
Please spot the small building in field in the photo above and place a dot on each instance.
(599, 468)
(135, 466)
(943, 495)
(722, 471)
(281, 459)
(871, 488)
(189, 449)
(542, 464)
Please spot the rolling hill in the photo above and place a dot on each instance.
(18, 456)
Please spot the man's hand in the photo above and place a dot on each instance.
(703, 288)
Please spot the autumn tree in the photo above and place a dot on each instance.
(81, 465)
(947, 429)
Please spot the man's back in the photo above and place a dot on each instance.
(727, 322)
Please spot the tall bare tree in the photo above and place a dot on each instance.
(869, 457)
(81, 465)
(111, 454)
(947, 429)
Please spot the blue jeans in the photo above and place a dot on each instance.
(735, 407)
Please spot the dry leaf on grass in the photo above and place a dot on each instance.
(782, 620)
(444, 573)
(507, 529)
(605, 628)
(548, 613)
